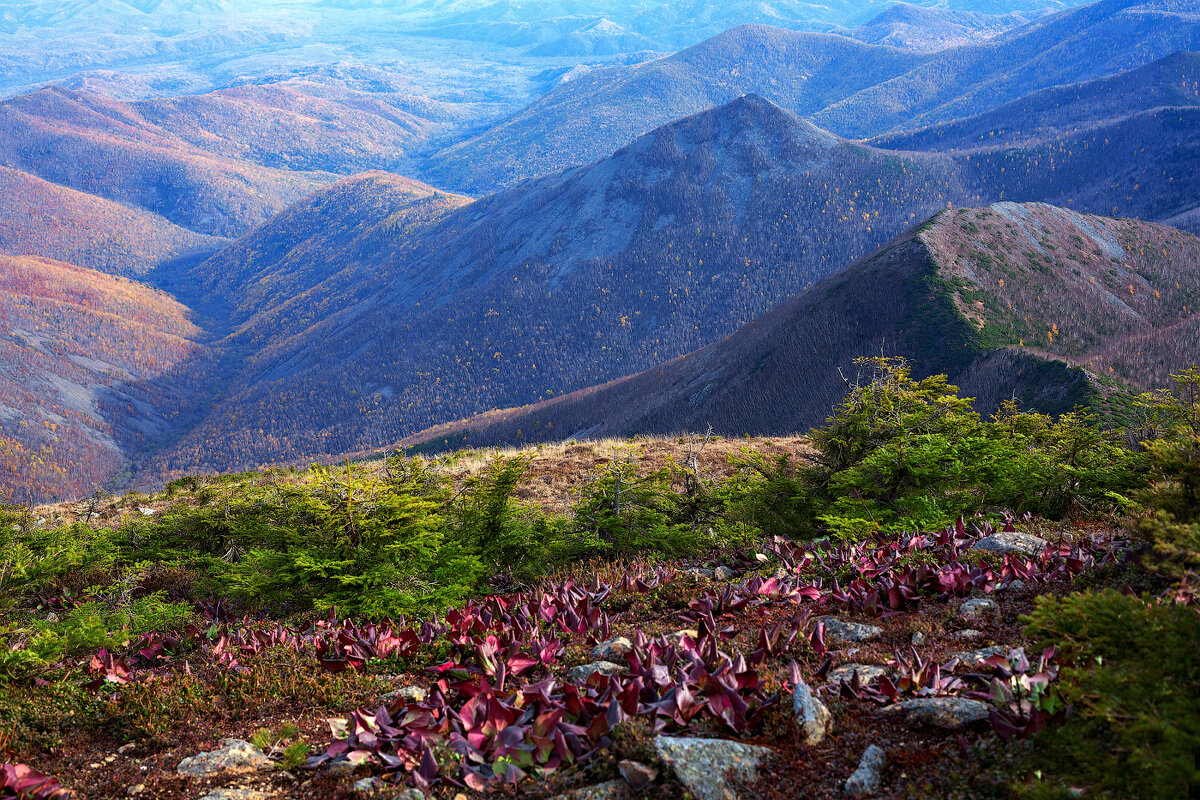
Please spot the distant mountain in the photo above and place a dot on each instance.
(887, 89)
(1052, 114)
(927, 30)
(602, 37)
(348, 338)
(38, 218)
(1028, 301)
(605, 108)
(72, 340)
(340, 119)
(1081, 44)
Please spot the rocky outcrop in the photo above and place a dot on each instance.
(950, 713)
(1010, 542)
(868, 778)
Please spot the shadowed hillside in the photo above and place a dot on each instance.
(1010, 300)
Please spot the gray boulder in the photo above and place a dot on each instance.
(702, 764)
(950, 713)
(866, 673)
(581, 673)
(1010, 542)
(852, 632)
(973, 658)
(978, 609)
(233, 757)
(612, 650)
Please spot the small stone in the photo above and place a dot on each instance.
(866, 673)
(723, 573)
(95, 765)
(853, 632)
(146, 512)
(412, 694)
(781, 574)
(234, 756)
(580, 674)
(126, 748)
(699, 573)
(612, 649)
(978, 608)
(1010, 542)
(701, 765)
(967, 635)
(691, 633)
(974, 658)
(109, 759)
(136, 789)
(636, 774)
(342, 768)
(1012, 586)
(52, 618)
(918, 639)
(868, 778)
(811, 714)
(950, 713)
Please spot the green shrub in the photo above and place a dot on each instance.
(1133, 676)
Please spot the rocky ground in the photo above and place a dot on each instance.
(788, 671)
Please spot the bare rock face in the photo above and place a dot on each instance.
(1010, 542)
(233, 757)
(811, 714)
(868, 778)
(850, 632)
(702, 764)
(950, 713)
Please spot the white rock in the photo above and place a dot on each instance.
(811, 714)
(413, 694)
(868, 778)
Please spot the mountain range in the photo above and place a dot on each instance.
(300, 308)
(888, 88)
